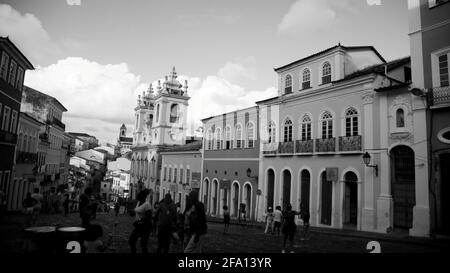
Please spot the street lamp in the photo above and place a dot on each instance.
(366, 159)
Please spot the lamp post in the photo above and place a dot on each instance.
(366, 159)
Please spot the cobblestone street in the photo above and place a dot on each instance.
(241, 239)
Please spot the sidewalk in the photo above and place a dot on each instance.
(394, 237)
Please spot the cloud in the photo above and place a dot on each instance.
(236, 72)
(73, 2)
(307, 16)
(27, 33)
(374, 2)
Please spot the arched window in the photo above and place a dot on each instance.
(327, 125)
(351, 122)
(174, 109)
(306, 127)
(400, 118)
(209, 138)
(306, 79)
(272, 132)
(288, 84)
(250, 135)
(218, 139)
(288, 130)
(227, 138)
(157, 113)
(238, 136)
(326, 73)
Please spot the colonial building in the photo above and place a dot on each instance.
(429, 27)
(25, 169)
(13, 65)
(181, 171)
(49, 110)
(332, 108)
(231, 163)
(160, 123)
(89, 142)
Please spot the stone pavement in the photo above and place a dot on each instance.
(240, 239)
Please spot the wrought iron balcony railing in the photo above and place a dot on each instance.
(348, 144)
(441, 96)
(286, 147)
(270, 148)
(327, 145)
(304, 146)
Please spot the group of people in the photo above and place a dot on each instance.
(286, 221)
(169, 223)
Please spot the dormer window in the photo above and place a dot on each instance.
(306, 79)
(288, 84)
(326, 73)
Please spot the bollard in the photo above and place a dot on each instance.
(70, 240)
(40, 239)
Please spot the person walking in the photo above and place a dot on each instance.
(116, 208)
(167, 219)
(155, 219)
(38, 206)
(289, 227)
(143, 223)
(86, 207)
(278, 215)
(180, 226)
(28, 204)
(304, 213)
(197, 225)
(269, 221)
(226, 219)
(66, 204)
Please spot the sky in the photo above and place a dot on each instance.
(96, 56)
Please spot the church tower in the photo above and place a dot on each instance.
(123, 131)
(170, 116)
(144, 118)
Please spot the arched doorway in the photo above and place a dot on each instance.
(248, 200)
(270, 188)
(286, 199)
(205, 193)
(403, 186)
(214, 198)
(326, 199)
(444, 195)
(305, 177)
(235, 204)
(350, 200)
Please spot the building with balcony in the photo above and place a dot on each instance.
(49, 110)
(429, 27)
(181, 171)
(230, 168)
(333, 107)
(13, 65)
(26, 161)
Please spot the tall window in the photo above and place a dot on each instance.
(12, 73)
(4, 66)
(400, 118)
(326, 73)
(443, 70)
(218, 139)
(228, 137)
(272, 132)
(6, 114)
(175, 174)
(250, 135)
(351, 122)
(174, 109)
(288, 84)
(181, 175)
(165, 173)
(288, 130)
(188, 176)
(19, 80)
(306, 127)
(306, 79)
(327, 125)
(157, 113)
(170, 174)
(238, 136)
(209, 139)
(13, 121)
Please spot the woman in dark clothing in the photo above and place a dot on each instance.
(143, 223)
(289, 227)
(28, 205)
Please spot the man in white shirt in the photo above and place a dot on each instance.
(277, 220)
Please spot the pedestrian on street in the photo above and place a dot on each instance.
(269, 220)
(226, 219)
(86, 207)
(278, 215)
(167, 219)
(304, 213)
(66, 204)
(38, 207)
(197, 224)
(28, 204)
(116, 208)
(143, 223)
(180, 225)
(289, 227)
(155, 219)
